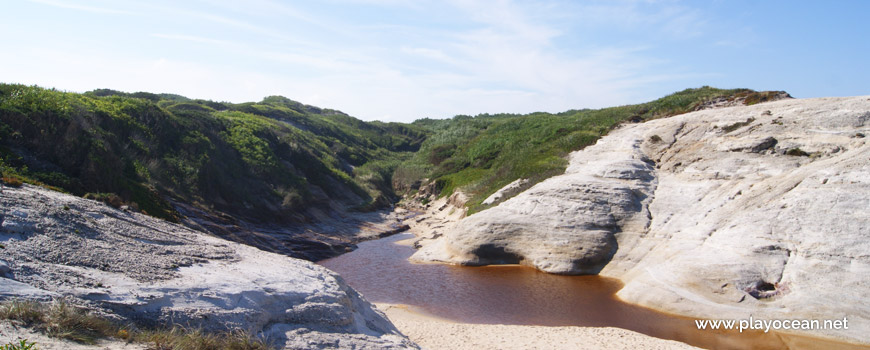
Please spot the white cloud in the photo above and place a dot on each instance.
(504, 56)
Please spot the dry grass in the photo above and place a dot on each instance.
(59, 319)
(11, 181)
(180, 338)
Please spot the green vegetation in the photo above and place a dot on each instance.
(22, 344)
(61, 320)
(271, 160)
(484, 153)
(266, 161)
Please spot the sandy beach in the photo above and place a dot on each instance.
(434, 333)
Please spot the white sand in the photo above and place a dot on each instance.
(433, 333)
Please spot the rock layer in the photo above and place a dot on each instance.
(724, 213)
(147, 270)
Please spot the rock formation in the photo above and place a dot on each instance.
(722, 213)
(150, 271)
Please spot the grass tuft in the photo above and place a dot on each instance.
(22, 344)
(68, 322)
(180, 338)
(59, 319)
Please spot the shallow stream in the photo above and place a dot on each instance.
(520, 295)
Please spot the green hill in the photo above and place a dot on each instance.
(482, 154)
(278, 161)
(264, 161)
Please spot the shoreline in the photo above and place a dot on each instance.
(431, 221)
(434, 333)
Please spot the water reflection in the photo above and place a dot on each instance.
(524, 296)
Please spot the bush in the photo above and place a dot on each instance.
(483, 153)
(111, 199)
(11, 181)
(797, 152)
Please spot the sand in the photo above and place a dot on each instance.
(434, 333)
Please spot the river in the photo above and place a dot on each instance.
(520, 295)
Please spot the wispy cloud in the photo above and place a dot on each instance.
(191, 38)
(382, 59)
(76, 6)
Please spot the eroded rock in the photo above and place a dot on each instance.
(704, 214)
(153, 272)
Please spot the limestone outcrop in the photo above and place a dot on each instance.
(146, 270)
(724, 213)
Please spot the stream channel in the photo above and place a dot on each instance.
(519, 295)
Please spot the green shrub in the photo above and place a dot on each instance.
(22, 344)
(483, 153)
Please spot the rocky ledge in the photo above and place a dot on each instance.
(724, 213)
(141, 269)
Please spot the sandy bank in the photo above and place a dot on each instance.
(434, 334)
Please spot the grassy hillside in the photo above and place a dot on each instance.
(275, 159)
(481, 154)
(267, 161)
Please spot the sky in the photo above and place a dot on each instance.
(401, 60)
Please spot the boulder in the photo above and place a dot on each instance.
(724, 213)
(153, 272)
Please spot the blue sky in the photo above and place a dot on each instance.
(400, 60)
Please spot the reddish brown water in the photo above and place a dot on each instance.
(523, 296)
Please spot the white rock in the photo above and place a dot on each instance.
(506, 191)
(699, 215)
(151, 271)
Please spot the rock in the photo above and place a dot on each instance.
(564, 225)
(150, 271)
(5, 270)
(704, 215)
(507, 191)
(16, 221)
